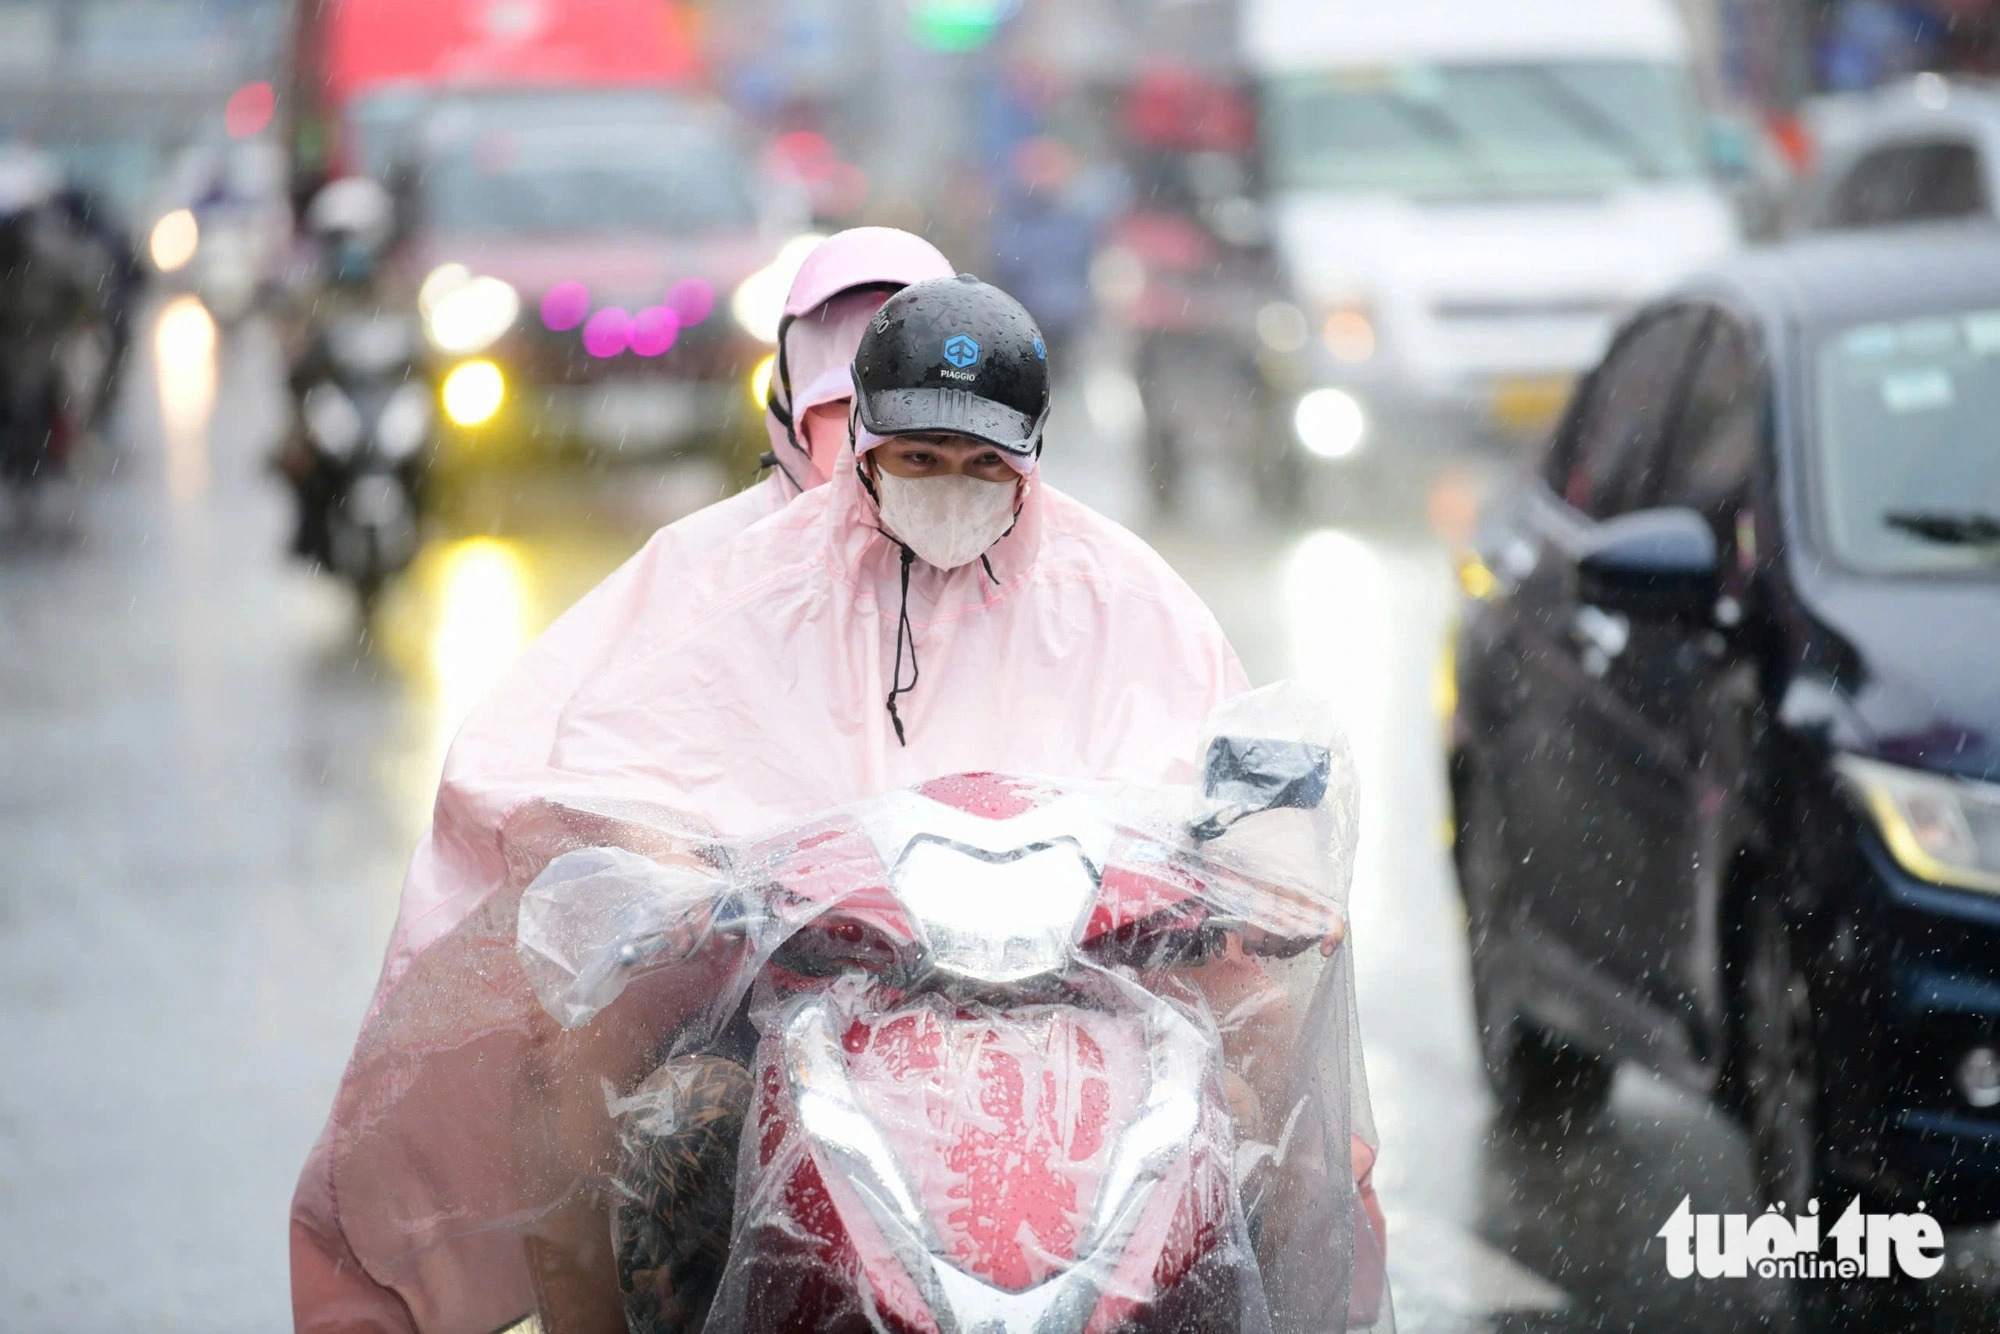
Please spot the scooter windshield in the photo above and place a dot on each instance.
(994, 1055)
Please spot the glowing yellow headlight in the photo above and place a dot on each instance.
(1475, 578)
(1939, 828)
(473, 393)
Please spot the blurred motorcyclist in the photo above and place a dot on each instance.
(49, 280)
(348, 227)
(117, 300)
(775, 676)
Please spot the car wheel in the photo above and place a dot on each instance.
(1780, 1079)
(1781, 1109)
(1535, 1076)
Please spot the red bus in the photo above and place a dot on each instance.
(363, 70)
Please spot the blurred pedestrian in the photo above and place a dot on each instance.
(1043, 240)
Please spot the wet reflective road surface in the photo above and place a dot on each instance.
(209, 783)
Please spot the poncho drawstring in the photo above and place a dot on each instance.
(903, 632)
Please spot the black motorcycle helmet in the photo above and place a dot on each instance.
(955, 356)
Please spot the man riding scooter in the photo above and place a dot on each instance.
(935, 608)
(356, 460)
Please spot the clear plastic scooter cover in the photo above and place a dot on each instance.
(998, 1055)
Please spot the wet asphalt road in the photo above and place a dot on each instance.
(209, 784)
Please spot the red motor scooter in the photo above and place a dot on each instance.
(990, 1091)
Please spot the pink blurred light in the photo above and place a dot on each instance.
(654, 330)
(803, 155)
(692, 301)
(608, 333)
(249, 110)
(565, 306)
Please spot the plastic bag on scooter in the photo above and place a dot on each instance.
(992, 1049)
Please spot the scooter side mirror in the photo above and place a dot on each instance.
(1246, 775)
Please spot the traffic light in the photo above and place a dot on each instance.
(959, 25)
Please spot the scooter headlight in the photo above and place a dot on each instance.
(332, 420)
(405, 423)
(995, 919)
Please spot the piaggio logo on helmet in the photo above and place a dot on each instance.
(961, 351)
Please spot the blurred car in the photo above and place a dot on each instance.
(1924, 149)
(1726, 744)
(1466, 199)
(578, 284)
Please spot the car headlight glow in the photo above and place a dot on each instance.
(759, 302)
(1330, 423)
(405, 423)
(439, 283)
(473, 393)
(1349, 333)
(472, 317)
(1938, 828)
(331, 419)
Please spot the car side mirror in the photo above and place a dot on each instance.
(1658, 564)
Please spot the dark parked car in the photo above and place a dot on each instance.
(1726, 753)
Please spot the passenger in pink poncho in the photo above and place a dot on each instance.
(837, 291)
(868, 635)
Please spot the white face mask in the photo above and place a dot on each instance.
(947, 521)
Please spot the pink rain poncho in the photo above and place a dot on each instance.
(719, 692)
(841, 284)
